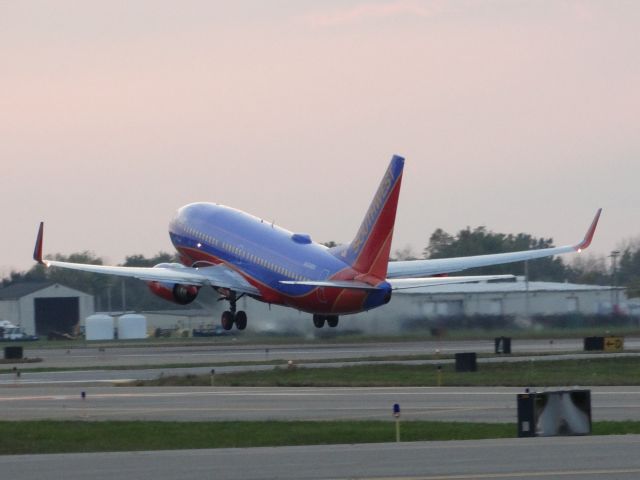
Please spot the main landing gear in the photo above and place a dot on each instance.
(331, 320)
(229, 317)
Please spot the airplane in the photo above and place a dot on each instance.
(238, 254)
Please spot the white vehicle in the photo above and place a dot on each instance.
(9, 331)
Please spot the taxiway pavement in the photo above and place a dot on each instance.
(569, 458)
(464, 404)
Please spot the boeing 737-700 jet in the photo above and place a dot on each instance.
(238, 254)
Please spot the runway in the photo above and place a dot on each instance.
(479, 404)
(57, 395)
(118, 355)
(569, 458)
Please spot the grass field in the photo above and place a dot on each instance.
(59, 437)
(593, 371)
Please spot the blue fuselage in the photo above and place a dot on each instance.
(265, 254)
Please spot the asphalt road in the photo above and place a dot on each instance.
(466, 404)
(568, 458)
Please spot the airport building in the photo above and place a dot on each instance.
(517, 299)
(514, 298)
(43, 307)
(434, 304)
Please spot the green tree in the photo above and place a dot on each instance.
(404, 253)
(628, 271)
(481, 241)
(589, 269)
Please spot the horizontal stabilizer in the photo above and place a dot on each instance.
(332, 284)
(405, 283)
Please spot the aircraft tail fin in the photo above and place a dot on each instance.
(368, 253)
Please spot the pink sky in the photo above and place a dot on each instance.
(521, 116)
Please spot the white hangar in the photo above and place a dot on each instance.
(43, 307)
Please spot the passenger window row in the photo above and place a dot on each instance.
(241, 253)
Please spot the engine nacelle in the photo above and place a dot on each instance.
(174, 292)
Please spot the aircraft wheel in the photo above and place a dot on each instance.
(227, 320)
(241, 320)
(318, 321)
(332, 321)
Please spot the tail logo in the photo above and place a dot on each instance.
(368, 253)
(374, 211)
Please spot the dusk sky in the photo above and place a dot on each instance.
(523, 116)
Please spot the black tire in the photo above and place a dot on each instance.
(227, 320)
(332, 321)
(318, 321)
(241, 320)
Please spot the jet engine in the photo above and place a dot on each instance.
(174, 292)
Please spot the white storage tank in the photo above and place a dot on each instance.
(132, 325)
(99, 327)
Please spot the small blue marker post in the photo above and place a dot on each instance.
(396, 414)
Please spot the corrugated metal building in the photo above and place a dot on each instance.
(42, 307)
(509, 298)
(515, 298)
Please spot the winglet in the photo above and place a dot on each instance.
(589, 235)
(37, 251)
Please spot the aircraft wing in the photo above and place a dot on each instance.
(216, 276)
(439, 266)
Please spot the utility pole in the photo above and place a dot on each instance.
(614, 273)
(124, 296)
(526, 289)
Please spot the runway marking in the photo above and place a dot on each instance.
(512, 475)
(108, 410)
(62, 382)
(205, 393)
(289, 393)
(258, 352)
(454, 409)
